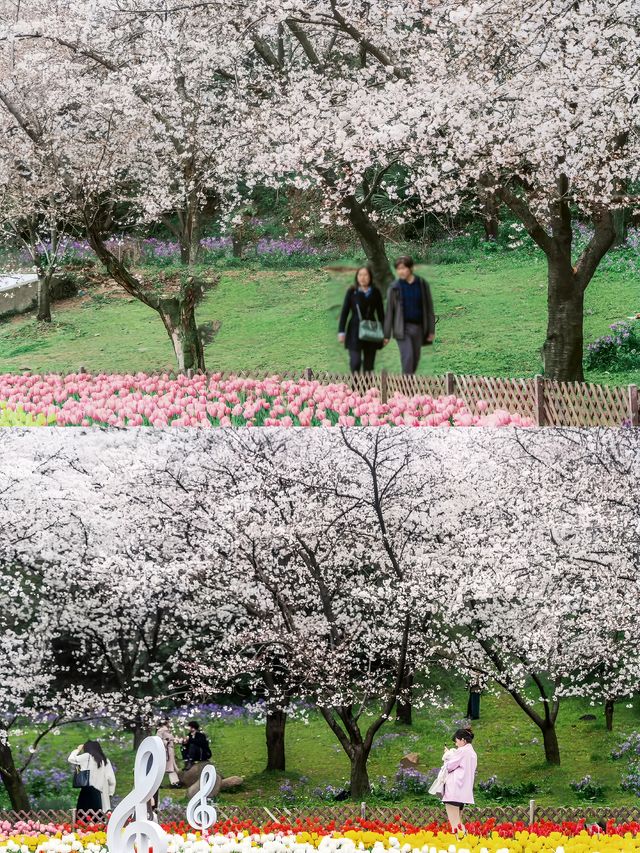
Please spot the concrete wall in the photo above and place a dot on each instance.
(18, 293)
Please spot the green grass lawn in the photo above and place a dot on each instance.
(492, 318)
(508, 745)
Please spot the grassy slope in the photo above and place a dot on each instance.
(504, 742)
(492, 322)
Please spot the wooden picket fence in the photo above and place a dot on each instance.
(547, 402)
(413, 814)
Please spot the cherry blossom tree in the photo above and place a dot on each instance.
(33, 215)
(327, 563)
(429, 93)
(30, 674)
(538, 108)
(599, 469)
(99, 574)
(334, 66)
(326, 568)
(25, 674)
(133, 623)
(135, 603)
(542, 597)
(131, 133)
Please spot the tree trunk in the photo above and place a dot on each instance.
(179, 318)
(140, 732)
(275, 729)
(546, 723)
(189, 249)
(372, 242)
(177, 312)
(490, 220)
(551, 746)
(190, 234)
(360, 785)
(237, 246)
(621, 225)
(608, 714)
(12, 780)
(44, 298)
(489, 207)
(562, 351)
(404, 705)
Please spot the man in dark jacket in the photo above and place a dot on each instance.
(195, 747)
(410, 317)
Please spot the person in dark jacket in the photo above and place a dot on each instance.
(366, 297)
(195, 747)
(409, 317)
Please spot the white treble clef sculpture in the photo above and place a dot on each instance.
(200, 814)
(142, 833)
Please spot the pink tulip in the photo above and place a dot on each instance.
(135, 399)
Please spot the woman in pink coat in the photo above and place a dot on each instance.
(460, 764)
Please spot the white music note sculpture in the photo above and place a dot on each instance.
(142, 833)
(200, 813)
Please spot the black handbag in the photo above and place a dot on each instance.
(80, 778)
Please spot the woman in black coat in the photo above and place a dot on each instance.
(368, 298)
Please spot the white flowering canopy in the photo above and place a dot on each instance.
(337, 555)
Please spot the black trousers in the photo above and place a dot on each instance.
(363, 358)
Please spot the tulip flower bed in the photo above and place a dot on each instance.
(209, 401)
(305, 835)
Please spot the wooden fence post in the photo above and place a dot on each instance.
(74, 815)
(539, 402)
(450, 383)
(633, 405)
(363, 810)
(190, 373)
(384, 392)
(532, 811)
(308, 374)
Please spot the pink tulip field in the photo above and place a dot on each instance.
(207, 401)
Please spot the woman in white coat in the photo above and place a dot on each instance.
(96, 796)
(168, 739)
